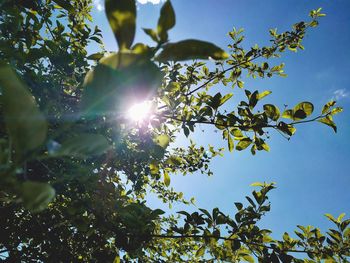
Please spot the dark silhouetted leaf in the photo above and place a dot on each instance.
(36, 196)
(190, 49)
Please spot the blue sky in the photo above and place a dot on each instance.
(311, 170)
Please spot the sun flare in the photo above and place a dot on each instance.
(140, 111)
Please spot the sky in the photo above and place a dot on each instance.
(310, 170)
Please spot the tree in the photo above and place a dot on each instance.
(75, 172)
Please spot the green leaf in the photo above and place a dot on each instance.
(230, 142)
(225, 98)
(200, 252)
(240, 84)
(265, 146)
(243, 144)
(83, 145)
(121, 15)
(286, 128)
(272, 112)
(166, 178)
(336, 110)
(328, 120)
(340, 217)
(288, 114)
(25, 124)
(36, 196)
(151, 33)
(166, 20)
(326, 107)
(237, 133)
(162, 140)
(253, 99)
(264, 94)
(154, 168)
(95, 56)
(190, 49)
(331, 218)
(302, 110)
(248, 258)
(258, 184)
(116, 259)
(65, 4)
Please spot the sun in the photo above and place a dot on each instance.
(139, 112)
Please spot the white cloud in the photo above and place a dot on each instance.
(340, 94)
(99, 5)
(155, 2)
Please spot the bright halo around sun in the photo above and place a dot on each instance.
(140, 112)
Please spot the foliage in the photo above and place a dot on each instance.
(75, 172)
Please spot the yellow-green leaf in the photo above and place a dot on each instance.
(243, 144)
(265, 146)
(264, 94)
(116, 259)
(162, 140)
(272, 112)
(230, 142)
(328, 106)
(288, 114)
(248, 258)
(306, 107)
(340, 217)
(328, 120)
(258, 184)
(336, 110)
(237, 133)
(200, 252)
(166, 178)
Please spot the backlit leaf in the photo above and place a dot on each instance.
(336, 110)
(326, 107)
(166, 20)
(162, 140)
(272, 112)
(152, 33)
(230, 143)
(328, 120)
(121, 15)
(25, 124)
(264, 94)
(166, 179)
(243, 144)
(83, 145)
(200, 251)
(306, 107)
(288, 114)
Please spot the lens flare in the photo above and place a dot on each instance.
(140, 111)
